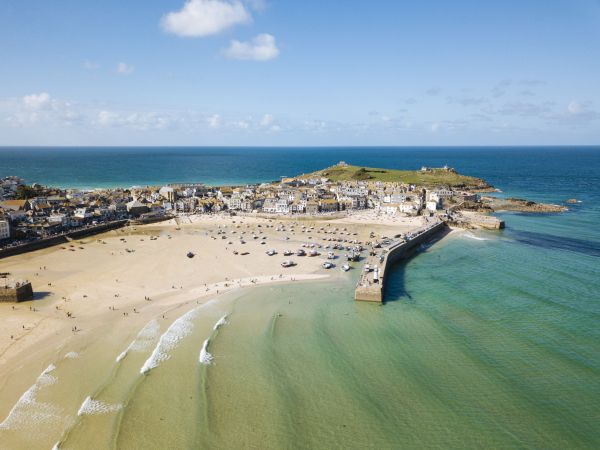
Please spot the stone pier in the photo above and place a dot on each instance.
(369, 289)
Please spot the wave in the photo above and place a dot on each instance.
(477, 238)
(56, 446)
(179, 329)
(93, 407)
(222, 321)
(143, 340)
(22, 414)
(205, 356)
(72, 355)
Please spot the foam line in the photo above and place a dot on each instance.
(205, 356)
(178, 330)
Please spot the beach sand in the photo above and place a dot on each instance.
(107, 287)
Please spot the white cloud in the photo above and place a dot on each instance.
(37, 101)
(267, 120)
(261, 48)
(435, 127)
(199, 18)
(90, 65)
(214, 121)
(124, 68)
(576, 107)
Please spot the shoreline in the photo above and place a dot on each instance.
(110, 285)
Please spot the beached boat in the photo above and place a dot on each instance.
(271, 252)
(330, 255)
(300, 252)
(190, 254)
(288, 263)
(327, 265)
(346, 267)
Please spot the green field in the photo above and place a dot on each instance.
(433, 177)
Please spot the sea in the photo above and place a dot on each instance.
(485, 340)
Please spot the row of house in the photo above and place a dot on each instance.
(53, 210)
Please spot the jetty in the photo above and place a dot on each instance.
(371, 283)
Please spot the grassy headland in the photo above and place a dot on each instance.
(431, 177)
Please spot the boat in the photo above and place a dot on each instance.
(300, 252)
(345, 267)
(288, 263)
(376, 275)
(271, 252)
(313, 253)
(190, 254)
(330, 255)
(327, 265)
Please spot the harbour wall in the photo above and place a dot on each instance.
(61, 239)
(370, 291)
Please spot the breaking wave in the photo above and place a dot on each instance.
(72, 355)
(222, 321)
(92, 407)
(179, 329)
(143, 340)
(205, 356)
(28, 410)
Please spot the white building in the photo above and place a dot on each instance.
(4, 229)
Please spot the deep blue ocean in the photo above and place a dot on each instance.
(486, 340)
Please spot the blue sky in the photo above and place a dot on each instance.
(312, 72)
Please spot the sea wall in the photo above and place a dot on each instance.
(370, 291)
(21, 293)
(61, 239)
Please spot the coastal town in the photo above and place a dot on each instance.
(29, 213)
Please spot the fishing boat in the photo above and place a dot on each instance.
(190, 254)
(300, 252)
(327, 265)
(345, 267)
(288, 263)
(271, 252)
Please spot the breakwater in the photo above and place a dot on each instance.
(371, 283)
(61, 238)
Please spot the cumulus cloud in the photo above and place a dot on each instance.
(124, 68)
(199, 18)
(261, 48)
(37, 101)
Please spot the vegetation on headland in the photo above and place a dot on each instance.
(430, 177)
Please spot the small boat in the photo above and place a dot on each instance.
(300, 252)
(190, 254)
(345, 267)
(327, 265)
(313, 253)
(288, 253)
(288, 263)
(271, 252)
(330, 255)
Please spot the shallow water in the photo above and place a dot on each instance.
(486, 339)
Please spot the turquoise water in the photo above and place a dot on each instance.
(486, 340)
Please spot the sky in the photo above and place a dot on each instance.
(310, 72)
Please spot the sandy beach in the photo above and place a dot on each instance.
(109, 286)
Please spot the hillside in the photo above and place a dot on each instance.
(433, 177)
